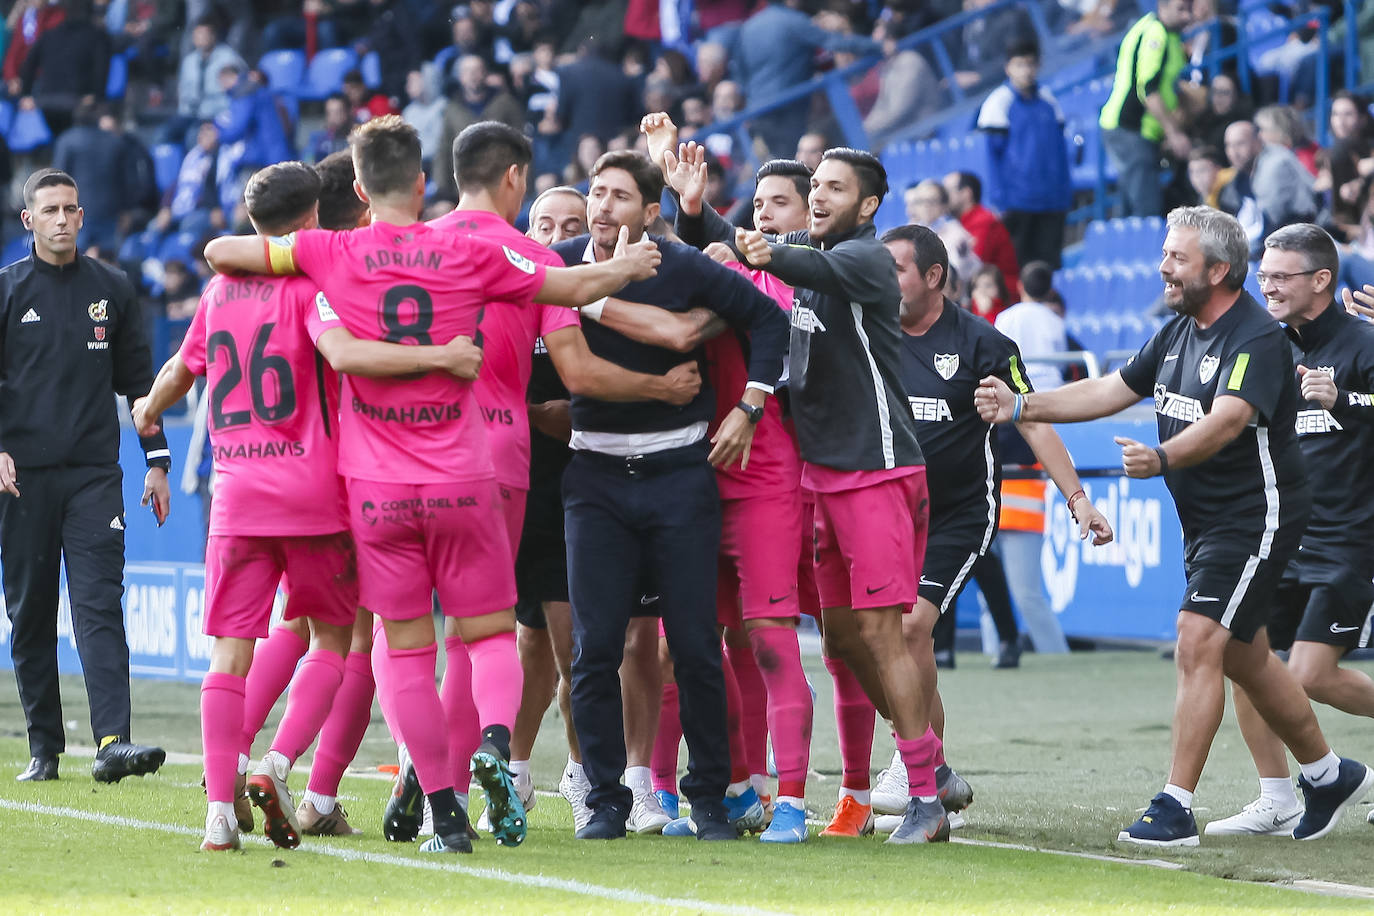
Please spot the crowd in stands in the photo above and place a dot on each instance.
(161, 108)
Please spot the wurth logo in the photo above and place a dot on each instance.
(805, 319)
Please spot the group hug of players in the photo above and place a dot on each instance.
(861, 489)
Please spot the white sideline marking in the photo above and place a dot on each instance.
(348, 855)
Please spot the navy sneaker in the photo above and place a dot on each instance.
(1325, 803)
(1164, 823)
(606, 823)
(712, 821)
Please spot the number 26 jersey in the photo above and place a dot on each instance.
(412, 285)
(273, 410)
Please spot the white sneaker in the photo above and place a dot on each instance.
(221, 834)
(575, 789)
(890, 792)
(1262, 817)
(646, 814)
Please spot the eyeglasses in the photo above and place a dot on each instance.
(1280, 279)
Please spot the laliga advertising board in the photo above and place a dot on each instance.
(1129, 589)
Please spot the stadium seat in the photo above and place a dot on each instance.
(28, 132)
(118, 79)
(166, 163)
(284, 69)
(326, 73)
(443, 60)
(15, 249)
(1096, 244)
(177, 247)
(371, 66)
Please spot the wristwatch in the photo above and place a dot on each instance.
(755, 414)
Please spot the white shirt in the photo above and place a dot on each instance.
(1037, 331)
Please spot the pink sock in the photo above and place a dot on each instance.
(274, 661)
(221, 730)
(460, 713)
(918, 755)
(663, 764)
(415, 702)
(381, 678)
(734, 723)
(344, 727)
(854, 716)
(754, 695)
(789, 705)
(939, 749)
(307, 704)
(497, 679)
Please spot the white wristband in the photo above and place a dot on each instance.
(593, 311)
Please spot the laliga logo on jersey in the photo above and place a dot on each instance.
(99, 311)
(1207, 368)
(946, 364)
(1136, 548)
(519, 261)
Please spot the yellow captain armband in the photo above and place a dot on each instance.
(281, 254)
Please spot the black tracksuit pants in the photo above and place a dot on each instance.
(76, 513)
(630, 521)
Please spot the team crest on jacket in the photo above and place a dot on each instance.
(946, 364)
(99, 333)
(1207, 368)
(99, 311)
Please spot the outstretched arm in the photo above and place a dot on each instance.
(250, 254)
(172, 382)
(1088, 399)
(380, 359)
(658, 327)
(589, 375)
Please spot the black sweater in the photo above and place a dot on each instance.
(686, 279)
(71, 337)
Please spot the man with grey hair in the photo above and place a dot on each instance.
(1221, 376)
(1323, 599)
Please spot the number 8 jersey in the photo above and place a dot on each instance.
(410, 285)
(273, 407)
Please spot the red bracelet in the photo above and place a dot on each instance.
(1071, 498)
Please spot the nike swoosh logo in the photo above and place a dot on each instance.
(925, 581)
(647, 600)
(1200, 598)
(874, 591)
(772, 600)
(1171, 356)
(1280, 821)
(1336, 629)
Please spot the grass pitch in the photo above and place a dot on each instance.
(1061, 753)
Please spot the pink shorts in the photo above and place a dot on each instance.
(870, 543)
(241, 576)
(513, 510)
(807, 597)
(414, 539)
(757, 577)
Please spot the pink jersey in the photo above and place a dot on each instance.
(273, 407)
(508, 339)
(418, 285)
(774, 464)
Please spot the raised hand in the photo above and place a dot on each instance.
(686, 174)
(753, 247)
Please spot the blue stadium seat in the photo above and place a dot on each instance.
(15, 249)
(177, 247)
(443, 61)
(118, 79)
(1096, 245)
(166, 163)
(371, 66)
(6, 116)
(28, 132)
(284, 69)
(326, 73)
